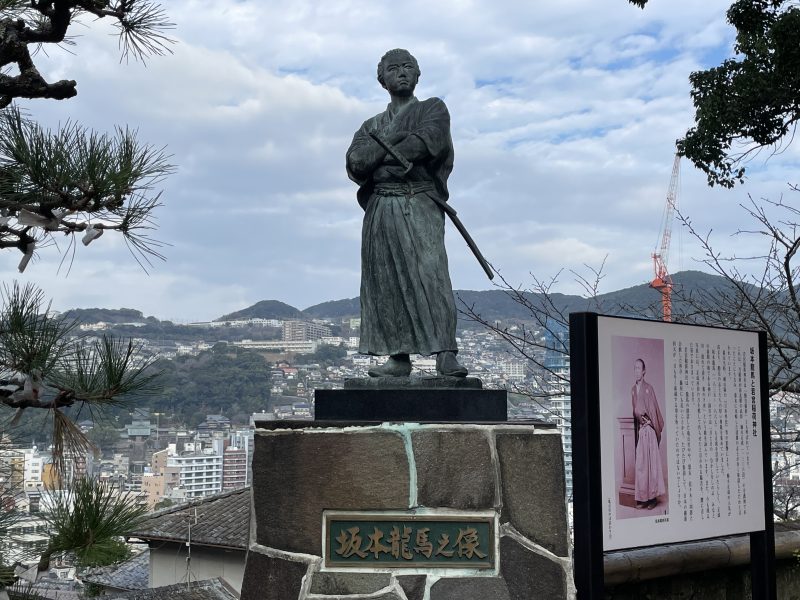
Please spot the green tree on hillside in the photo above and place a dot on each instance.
(326, 355)
(103, 434)
(226, 380)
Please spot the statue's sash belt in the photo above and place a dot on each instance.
(409, 188)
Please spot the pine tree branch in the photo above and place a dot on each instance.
(142, 26)
(75, 181)
(52, 28)
(64, 398)
(29, 83)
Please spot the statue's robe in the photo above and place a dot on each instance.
(407, 302)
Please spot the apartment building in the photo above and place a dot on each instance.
(235, 468)
(302, 331)
(34, 467)
(514, 370)
(199, 469)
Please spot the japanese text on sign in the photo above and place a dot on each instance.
(715, 409)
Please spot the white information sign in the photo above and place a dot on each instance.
(680, 432)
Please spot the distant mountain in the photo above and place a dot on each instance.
(643, 295)
(498, 304)
(107, 315)
(642, 299)
(639, 300)
(266, 309)
(492, 305)
(350, 307)
(697, 280)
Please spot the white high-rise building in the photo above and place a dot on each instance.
(514, 370)
(34, 465)
(561, 408)
(557, 362)
(199, 471)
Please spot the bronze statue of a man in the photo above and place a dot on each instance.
(401, 159)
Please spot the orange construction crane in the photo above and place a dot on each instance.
(663, 280)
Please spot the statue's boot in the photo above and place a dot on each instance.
(447, 365)
(398, 365)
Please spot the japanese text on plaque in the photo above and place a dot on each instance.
(428, 542)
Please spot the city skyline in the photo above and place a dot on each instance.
(564, 118)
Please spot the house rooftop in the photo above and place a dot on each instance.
(221, 520)
(133, 574)
(209, 589)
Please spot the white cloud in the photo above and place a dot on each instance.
(564, 117)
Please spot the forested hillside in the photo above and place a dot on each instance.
(224, 380)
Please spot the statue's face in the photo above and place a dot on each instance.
(400, 75)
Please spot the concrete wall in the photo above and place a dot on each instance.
(168, 564)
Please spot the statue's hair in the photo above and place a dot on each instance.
(392, 53)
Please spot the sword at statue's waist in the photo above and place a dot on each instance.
(405, 188)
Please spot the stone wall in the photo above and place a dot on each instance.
(717, 569)
(515, 470)
(732, 583)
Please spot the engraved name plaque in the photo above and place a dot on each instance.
(408, 540)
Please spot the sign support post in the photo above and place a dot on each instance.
(762, 543)
(587, 499)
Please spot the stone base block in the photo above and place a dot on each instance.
(513, 471)
(283, 578)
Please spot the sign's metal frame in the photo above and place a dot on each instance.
(587, 485)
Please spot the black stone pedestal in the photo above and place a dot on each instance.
(416, 405)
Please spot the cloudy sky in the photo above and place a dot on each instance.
(564, 116)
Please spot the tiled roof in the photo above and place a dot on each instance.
(133, 574)
(210, 589)
(219, 520)
(42, 590)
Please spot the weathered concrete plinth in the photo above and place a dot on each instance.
(300, 470)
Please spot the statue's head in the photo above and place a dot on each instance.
(398, 71)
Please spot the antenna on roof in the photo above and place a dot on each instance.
(192, 520)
